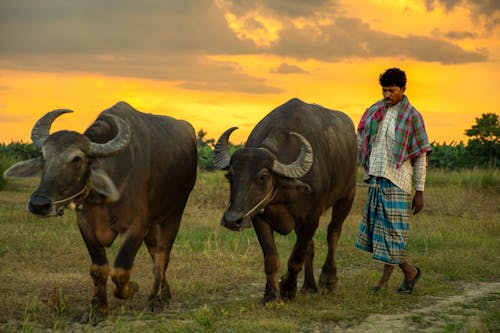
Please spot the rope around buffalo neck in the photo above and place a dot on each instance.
(83, 193)
(271, 193)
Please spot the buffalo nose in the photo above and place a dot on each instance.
(235, 221)
(39, 205)
(232, 217)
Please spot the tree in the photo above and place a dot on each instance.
(202, 142)
(205, 151)
(484, 147)
(486, 129)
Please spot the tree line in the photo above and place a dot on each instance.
(481, 150)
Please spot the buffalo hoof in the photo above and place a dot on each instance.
(288, 289)
(156, 304)
(270, 299)
(271, 295)
(289, 294)
(309, 290)
(328, 283)
(93, 317)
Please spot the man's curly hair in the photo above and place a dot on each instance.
(393, 77)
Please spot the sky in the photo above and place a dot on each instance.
(224, 63)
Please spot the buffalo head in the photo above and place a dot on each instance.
(255, 175)
(68, 164)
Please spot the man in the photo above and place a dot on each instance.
(393, 147)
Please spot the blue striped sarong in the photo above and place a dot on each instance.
(384, 226)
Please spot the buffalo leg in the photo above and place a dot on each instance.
(99, 271)
(288, 285)
(309, 285)
(166, 232)
(328, 277)
(124, 288)
(271, 259)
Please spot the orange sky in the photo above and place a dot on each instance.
(226, 63)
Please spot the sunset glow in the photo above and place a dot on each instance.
(227, 63)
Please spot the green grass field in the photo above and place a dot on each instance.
(217, 277)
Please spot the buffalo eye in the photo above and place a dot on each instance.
(76, 159)
(263, 176)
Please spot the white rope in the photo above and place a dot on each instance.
(84, 189)
(261, 202)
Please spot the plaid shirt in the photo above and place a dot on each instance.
(411, 137)
(383, 159)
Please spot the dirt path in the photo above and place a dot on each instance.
(461, 308)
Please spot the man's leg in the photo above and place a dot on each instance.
(408, 270)
(412, 274)
(388, 269)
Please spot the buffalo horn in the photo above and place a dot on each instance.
(221, 150)
(41, 130)
(299, 167)
(115, 145)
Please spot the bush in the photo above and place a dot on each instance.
(19, 150)
(14, 152)
(5, 163)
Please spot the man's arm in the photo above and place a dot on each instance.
(419, 174)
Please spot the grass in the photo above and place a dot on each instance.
(217, 277)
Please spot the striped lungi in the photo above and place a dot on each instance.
(384, 226)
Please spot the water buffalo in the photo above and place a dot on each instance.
(129, 174)
(298, 161)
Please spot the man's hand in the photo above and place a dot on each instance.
(418, 202)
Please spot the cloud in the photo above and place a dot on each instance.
(194, 72)
(285, 68)
(177, 40)
(479, 7)
(9, 118)
(287, 8)
(350, 37)
(458, 35)
(113, 26)
(487, 9)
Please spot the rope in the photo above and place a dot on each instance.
(84, 193)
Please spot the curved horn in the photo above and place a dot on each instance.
(299, 167)
(221, 151)
(41, 130)
(115, 145)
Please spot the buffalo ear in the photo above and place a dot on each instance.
(25, 169)
(103, 184)
(293, 184)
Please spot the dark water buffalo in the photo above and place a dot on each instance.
(297, 162)
(129, 174)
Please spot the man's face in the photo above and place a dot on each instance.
(392, 95)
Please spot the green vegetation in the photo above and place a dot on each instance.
(217, 277)
(482, 149)
(206, 151)
(12, 153)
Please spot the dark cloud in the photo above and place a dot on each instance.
(489, 9)
(288, 8)
(114, 25)
(191, 71)
(285, 68)
(483, 7)
(350, 37)
(458, 35)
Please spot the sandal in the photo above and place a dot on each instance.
(407, 286)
